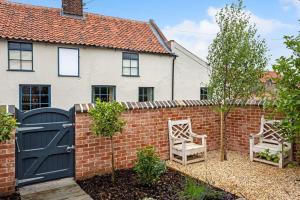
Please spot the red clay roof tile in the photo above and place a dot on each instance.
(41, 24)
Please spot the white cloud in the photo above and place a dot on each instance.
(197, 36)
(287, 5)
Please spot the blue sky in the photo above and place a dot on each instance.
(191, 22)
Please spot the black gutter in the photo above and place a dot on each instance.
(173, 76)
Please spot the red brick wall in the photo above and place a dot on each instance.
(7, 168)
(144, 127)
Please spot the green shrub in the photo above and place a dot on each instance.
(267, 155)
(7, 125)
(148, 166)
(194, 191)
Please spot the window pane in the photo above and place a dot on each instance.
(25, 107)
(96, 90)
(14, 54)
(44, 99)
(26, 46)
(44, 90)
(26, 55)
(126, 56)
(104, 98)
(126, 63)
(134, 56)
(149, 94)
(15, 64)
(13, 45)
(44, 105)
(26, 65)
(126, 71)
(35, 99)
(26, 99)
(35, 106)
(134, 63)
(26, 90)
(35, 90)
(134, 71)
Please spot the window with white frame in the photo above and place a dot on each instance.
(130, 64)
(68, 62)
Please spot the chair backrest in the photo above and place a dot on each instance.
(180, 129)
(270, 131)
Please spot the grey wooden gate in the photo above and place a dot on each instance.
(44, 145)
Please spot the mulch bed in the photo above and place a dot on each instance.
(128, 187)
(15, 196)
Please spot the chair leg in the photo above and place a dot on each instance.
(280, 161)
(251, 149)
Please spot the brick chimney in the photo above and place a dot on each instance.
(72, 7)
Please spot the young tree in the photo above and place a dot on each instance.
(107, 123)
(237, 57)
(287, 99)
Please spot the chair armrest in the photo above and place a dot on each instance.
(252, 136)
(199, 136)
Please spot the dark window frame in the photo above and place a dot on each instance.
(21, 50)
(59, 60)
(103, 86)
(203, 93)
(30, 95)
(138, 64)
(144, 94)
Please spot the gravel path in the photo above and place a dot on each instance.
(252, 180)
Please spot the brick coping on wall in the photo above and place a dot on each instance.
(85, 107)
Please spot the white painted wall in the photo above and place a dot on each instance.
(191, 73)
(97, 67)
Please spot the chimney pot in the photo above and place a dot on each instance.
(72, 7)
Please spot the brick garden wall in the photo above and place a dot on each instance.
(7, 167)
(144, 127)
(148, 126)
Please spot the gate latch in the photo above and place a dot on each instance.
(67, 125)
(69, 149)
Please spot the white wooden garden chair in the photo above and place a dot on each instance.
(269, 138)
(183, 148)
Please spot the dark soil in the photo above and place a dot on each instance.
(15, 196)
(127, 187)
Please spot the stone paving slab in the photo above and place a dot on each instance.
(64, 189)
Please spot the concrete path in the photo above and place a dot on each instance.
(64, 189)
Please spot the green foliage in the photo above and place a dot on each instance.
(148, 166)
(287, 100)
(237, 57)
(266, 155)
(106, 118)
(194, 191)
(7, 125)
(107, 122)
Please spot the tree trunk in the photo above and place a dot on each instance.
(113, 176)
(223, 154)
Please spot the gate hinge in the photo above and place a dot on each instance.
(28, 180)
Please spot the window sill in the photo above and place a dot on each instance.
(17, 70)
(137, 76)
(65, 76)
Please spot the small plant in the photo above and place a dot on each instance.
(107, 123)
(267, 155)
(194, 191)
(148, 166)
(7, 125)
